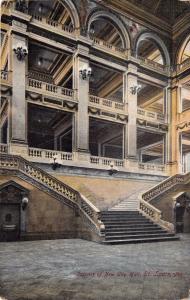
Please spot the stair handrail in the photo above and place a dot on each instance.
(154, 214)
(165, 185)
(76, 199)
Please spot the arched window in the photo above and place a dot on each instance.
(186, 52)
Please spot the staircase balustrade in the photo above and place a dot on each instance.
(88, 211)
(154, 214)
(166, 185)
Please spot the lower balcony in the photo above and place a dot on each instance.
(111, 165)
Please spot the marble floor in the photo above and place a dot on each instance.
(77, 269)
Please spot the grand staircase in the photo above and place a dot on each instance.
(132, 227)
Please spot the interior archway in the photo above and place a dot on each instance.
(153, 48)
(107, 27)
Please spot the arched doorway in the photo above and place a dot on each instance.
(12, 211)
(181, 212)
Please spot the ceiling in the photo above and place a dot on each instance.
(167, 10)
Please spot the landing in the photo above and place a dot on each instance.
(81, 270)
(106, 192)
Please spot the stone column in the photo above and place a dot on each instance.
(173, 140)
(18, 118)
(81, 119)
(130, 80)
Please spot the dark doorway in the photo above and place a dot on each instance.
(9, 222)
(179, 215)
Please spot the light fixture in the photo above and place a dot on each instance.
(85, 73)
(21, 6)
(55, 163)
(92, 30)
(135, 89)
(40, 8)
(24, 203)
(112, 170)
(21, 52)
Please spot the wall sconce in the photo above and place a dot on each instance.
(24, 203)
(113, 170)
(21, 52)
(55, 163)
(21, 6)
(85, 73)
(135, 89)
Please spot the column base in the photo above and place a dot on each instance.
(131, 163)
(82, 156)
(18, 149)
(173, 168)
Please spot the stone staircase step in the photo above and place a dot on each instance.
(127, 226)
(137, 232)
(142, 240)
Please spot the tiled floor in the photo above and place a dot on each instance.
(78, 269)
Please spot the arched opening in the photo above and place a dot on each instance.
(149, 50)
(185, 55)
(60, 12)
(105, 30)
(151, 47)
(107, 27)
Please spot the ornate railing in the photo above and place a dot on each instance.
(153, 64)
(159, 117)
(46, 155)
(106, 102)
(55, 187)
(184, 65)
(55, 24)
(165, 186)
(3, 148)
(50, 88)
(153, 167)
(108, 46)
(106, 161)
(154, 214)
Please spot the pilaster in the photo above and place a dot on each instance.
(131, 100)
(18, 116)
(81, 118)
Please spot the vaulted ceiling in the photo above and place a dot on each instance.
(169, 10)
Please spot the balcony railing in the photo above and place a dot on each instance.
(109, 47)
(50, 88)
(55, 24)
(153, 64)
(152, 167)
(184, 65)
(44, 155)
(106, 161)
(106, 102)
(159, 117)
(3, 148)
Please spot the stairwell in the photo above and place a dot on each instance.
(122, 227)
